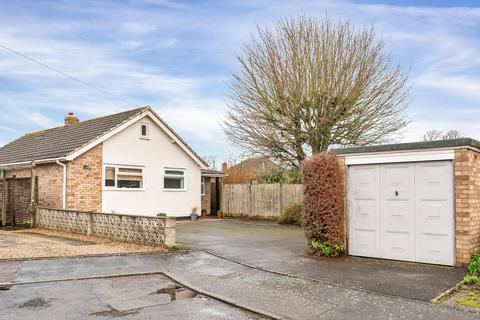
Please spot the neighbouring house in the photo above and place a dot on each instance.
(413, 201)
(248, 169)
(130, 162)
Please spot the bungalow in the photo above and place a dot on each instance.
(130, 162)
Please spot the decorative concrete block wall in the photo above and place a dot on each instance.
(136, 229)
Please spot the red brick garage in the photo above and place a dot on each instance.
(413, 201)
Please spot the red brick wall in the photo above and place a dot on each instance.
(467, 203)
(207, 198)
(84, 181)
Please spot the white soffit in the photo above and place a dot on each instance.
(394, 157)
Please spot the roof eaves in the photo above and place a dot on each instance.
(437, 144)
(140, 110)
(179, 138)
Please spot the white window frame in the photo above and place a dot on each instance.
(173, 176)
(117, 166)
(147, 136)
(202, 186)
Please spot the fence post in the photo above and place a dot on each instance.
(250, 201)
(90, 224)
(280, 197)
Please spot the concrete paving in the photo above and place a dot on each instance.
(287, 297)
(283, 248)
(135, 297)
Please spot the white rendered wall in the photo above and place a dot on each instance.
(155, 154)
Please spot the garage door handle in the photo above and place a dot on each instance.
(396, 193)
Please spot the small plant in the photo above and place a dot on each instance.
(32, 208)
(161, 214)
(326, 249)
(291, 215)
(194, 210)
(471, 279)
(474, 265)
(219, 214)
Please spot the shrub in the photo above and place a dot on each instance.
(323, 207)
(327, 250)
(474, 265)
(161, 214)
(471, 279)
(291, 215)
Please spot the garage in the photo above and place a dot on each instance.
(416, 202)
(402, 211)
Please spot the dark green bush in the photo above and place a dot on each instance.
(291, 215)
(474, 265)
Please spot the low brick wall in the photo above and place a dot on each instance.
(137, 229)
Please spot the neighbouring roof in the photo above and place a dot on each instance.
(212, 173)
(255, 164)
(61, 141)
(449, 143)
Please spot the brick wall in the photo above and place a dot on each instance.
(207, 198)
(84, 181)
(467, 203)
(50, 183)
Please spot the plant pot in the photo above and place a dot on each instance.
(204, 212)
(219, 215)
(194, 217)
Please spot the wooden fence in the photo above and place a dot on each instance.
(264, 201)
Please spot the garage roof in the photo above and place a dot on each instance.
(450, 143)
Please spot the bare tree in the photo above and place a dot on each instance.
(433, 135)
(308, 84)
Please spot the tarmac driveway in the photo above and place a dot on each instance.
(281, 248)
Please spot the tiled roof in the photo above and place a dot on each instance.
(61, 141)
(208, 172)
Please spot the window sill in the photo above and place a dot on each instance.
(174, 190)
(123, 189)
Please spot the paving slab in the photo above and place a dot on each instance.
(284, 248)
(291, 298)
(136, 297)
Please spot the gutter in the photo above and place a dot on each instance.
(27, 164)
(64, 187)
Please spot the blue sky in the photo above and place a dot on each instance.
(178, 56)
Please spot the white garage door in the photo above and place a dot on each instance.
(402, 211)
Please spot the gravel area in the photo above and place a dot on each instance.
(31, 243)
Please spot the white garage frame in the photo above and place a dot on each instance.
(399, 157)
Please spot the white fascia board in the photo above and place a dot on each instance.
(395, 157)
(121, 127)
(14, 165)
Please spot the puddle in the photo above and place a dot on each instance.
(34, 303)
(176, 292)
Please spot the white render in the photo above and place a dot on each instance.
(402, 211)
(154, 155)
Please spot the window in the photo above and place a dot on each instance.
(202, 186)
(122, 177)
(144, 130)
(174, 179)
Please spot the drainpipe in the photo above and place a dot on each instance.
(64, 194)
